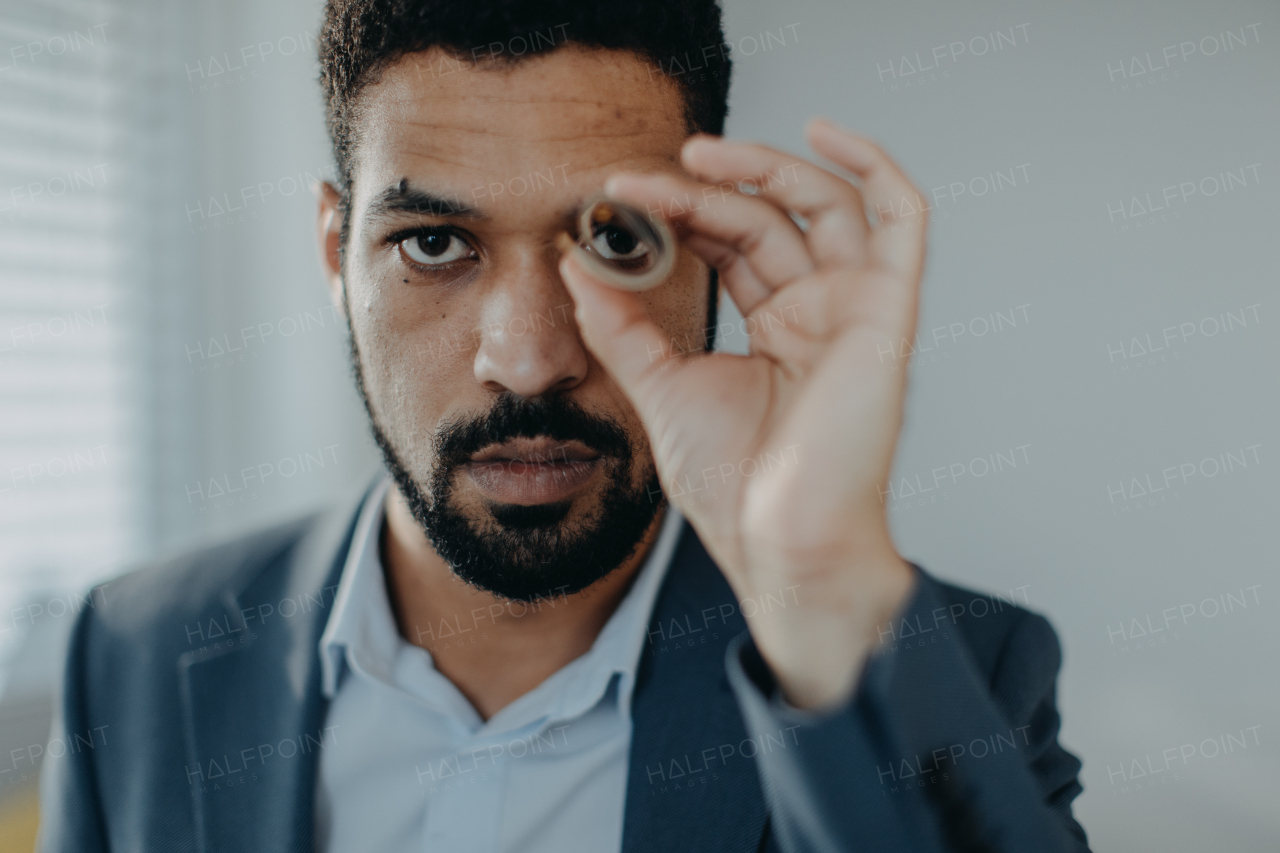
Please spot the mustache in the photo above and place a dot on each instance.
(554, 416)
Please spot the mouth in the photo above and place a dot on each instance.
(531, 471)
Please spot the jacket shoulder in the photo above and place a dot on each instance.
(124, 679)
(168, 593)
(999, 632)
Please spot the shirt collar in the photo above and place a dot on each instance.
(362, 628)
(361, 596)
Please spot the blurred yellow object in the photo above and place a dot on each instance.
(19, 817)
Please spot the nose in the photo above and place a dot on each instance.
(529, 341)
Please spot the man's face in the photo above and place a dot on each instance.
(523, 461)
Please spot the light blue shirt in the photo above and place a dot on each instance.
(413, 766)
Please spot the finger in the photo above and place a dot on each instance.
(792, 327)
(789, 325)
(897, 242)
(770, 242)
(741, 282)
(616, 328)
(838, 227)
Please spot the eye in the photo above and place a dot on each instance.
(617, 244)
(435, 247)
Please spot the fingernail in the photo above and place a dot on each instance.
(614, 182)
(701, 141)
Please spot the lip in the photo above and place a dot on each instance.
(536, 450)
(531, 471)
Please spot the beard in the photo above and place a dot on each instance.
(527, 553)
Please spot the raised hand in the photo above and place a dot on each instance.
(823, 302)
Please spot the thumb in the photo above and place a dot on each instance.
(616, 329)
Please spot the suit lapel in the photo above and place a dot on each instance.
(692, 782)
(254, 709)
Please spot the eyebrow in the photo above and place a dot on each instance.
(405, 198)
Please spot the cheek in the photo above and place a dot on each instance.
(679, 307)
(417, 351)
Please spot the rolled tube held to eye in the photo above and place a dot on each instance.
(622, 246)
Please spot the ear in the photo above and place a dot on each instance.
(328, 237)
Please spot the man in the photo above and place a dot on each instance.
(618, 593)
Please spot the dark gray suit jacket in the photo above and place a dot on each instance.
(193, 715)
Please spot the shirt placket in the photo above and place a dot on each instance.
(465, 800)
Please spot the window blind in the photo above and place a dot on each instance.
(75, 129)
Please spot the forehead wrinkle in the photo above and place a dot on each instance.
(483, 124)
(421, 144)
(401, 99)
(469, 118)
(431, 154)
(573, 138)
(476, 173)
(445, 153)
